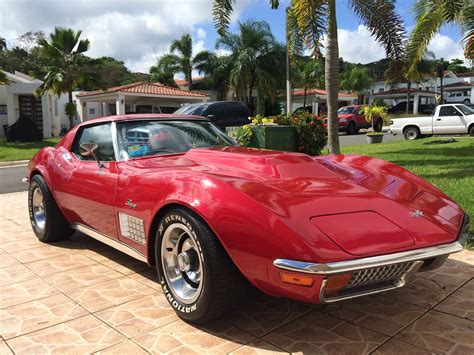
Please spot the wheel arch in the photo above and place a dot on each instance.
(411, 125)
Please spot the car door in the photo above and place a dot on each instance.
(86, 190)
(218, 111)
(237, 114)
(449, 120)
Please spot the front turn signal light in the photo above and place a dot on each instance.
(297, 279)
(336, 283)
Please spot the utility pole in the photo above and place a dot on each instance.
(288, 72)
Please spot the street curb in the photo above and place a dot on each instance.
(8, 164)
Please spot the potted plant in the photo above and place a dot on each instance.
(371, 114)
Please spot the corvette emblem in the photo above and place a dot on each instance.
(416, 214)
(130, 204)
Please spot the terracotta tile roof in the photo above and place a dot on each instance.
(300, 92)
(459, 84)
(402, 91)
(146, 88)
(183, 82)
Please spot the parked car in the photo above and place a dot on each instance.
(401, 107)
(222, 113)
(446, 119)
(351, 119)
(213, 217)
(463, 96)
(309, 109)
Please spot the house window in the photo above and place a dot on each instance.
(380, 89)
(3, 109)
(92, 111)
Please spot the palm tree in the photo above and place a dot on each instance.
(69, 68)
(430, 17)
(308, 74)
(163, 72)
(425, 66)
(182, 58)
(255, 55)
(357, 79)
(310, 20)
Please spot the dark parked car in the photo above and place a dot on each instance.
(222, 113)
(401, 107)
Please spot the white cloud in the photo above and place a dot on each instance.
(132, 31)
(445, 47)
(358, 46)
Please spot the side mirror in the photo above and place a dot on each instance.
(88, 150)
(212, 117)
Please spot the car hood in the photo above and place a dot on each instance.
(365, 205)
(346, 115)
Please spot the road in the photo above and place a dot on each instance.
(360, 138)
(10, 178)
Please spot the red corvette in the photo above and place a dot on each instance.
(212, 217)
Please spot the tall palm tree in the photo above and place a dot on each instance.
(357, 79)
(255, 53)
(163, 72)
(430, 17)
(69, 68)
(310, 20)
(425, 66)
(183, 59)
(308, 74)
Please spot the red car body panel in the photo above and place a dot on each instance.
(262, 205)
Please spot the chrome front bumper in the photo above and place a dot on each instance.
(372, 274)
(370, 262)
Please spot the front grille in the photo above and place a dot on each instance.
(378, 274)
(372, 280)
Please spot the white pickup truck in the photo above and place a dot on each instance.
(446, 119)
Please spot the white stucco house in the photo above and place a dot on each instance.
(425, 90)
(18, 98)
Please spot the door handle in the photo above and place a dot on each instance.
(438, 119)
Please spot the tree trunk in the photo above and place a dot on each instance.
(408, 97)
(304, 98)
(71, 118)
(190, 73)
(332, 79)
(250, 99)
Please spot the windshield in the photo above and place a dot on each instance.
(346, 110)
(466, 110)
(192, 109)
(147, 138)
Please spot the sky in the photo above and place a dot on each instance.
(139, 31)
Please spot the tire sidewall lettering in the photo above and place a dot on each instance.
(164, 224)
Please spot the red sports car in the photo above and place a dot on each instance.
(177, 193)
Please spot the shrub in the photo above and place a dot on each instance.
(311, 131)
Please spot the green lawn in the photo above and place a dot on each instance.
(22, 151)
(450, 166)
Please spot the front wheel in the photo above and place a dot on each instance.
(198, 278)
(471, 131)
(46, 218)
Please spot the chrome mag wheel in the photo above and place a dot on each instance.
(182, 263)
(38, 209)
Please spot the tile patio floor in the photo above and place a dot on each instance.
(80, 296)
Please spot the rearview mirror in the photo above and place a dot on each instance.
(88, 150)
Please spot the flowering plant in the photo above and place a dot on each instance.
(310, 129)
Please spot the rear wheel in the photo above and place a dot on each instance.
(466, 101)
(46, 219)
(351, 128)
(412, 133)
(198, 278)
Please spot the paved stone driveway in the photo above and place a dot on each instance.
(80, 296)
